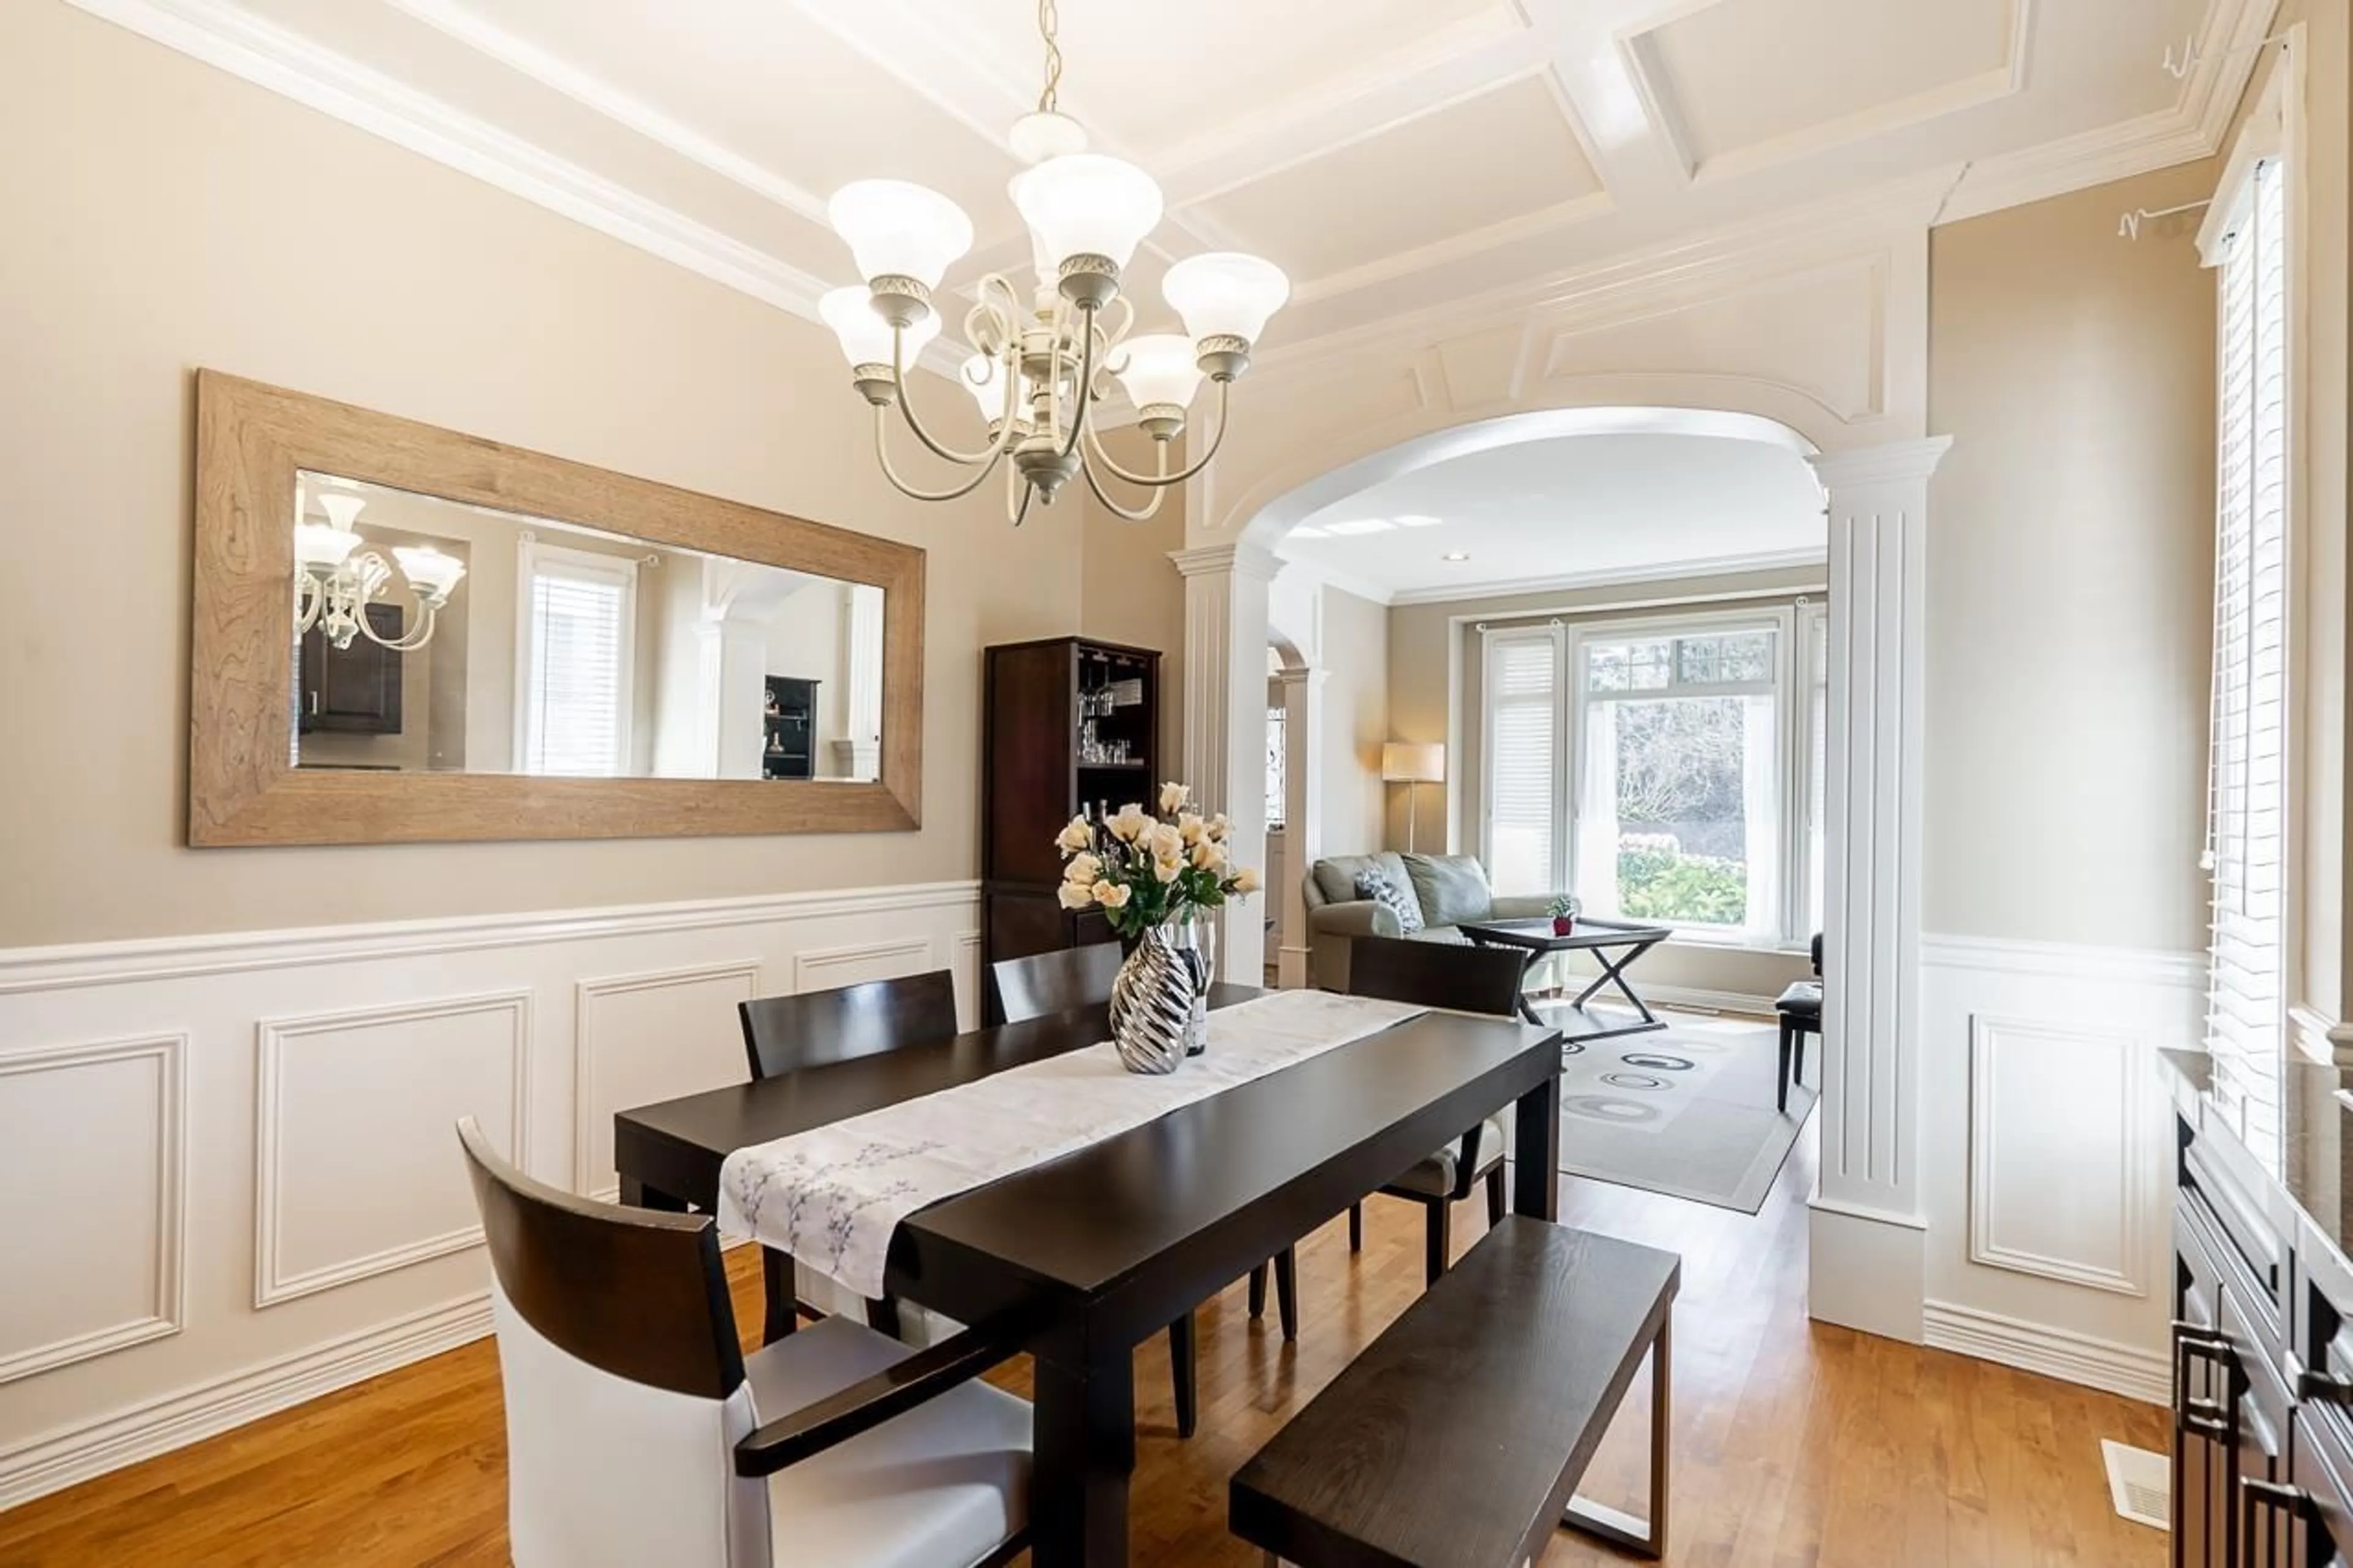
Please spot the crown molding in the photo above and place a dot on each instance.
(1325, 576)
(1664, 572)
(1895, 462)
(1241, 558)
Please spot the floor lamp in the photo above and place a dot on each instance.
(1412, 763)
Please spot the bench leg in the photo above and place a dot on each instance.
(1182, 1375)
(1644, 1540)
(1355, 1227)
(1437, 1241)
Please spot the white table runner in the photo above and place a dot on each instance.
(831, 1197)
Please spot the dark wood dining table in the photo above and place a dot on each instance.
(1107, 1245)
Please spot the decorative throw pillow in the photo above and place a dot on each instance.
(1374, 883)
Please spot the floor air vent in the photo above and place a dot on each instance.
(2141, 1483)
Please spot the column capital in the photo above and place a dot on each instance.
(1310, 676)
(1890, 464)
(1240, 557)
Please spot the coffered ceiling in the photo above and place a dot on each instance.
(1390, 154)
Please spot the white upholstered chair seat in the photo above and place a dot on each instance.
(939, 1486)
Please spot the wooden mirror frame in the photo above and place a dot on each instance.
(252, 439)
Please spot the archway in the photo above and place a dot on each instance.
(1867, 1253)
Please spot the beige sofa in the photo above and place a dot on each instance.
(1449, 889)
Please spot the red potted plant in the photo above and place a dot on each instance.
(1564, 914)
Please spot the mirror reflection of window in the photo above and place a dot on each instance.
(437, 635)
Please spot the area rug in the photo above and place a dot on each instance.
(1686, 1111)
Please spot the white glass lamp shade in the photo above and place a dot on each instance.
(1224, 294)
(898, 229)
(428, 570)
(1086, 204)
(985, 378)
(865, 336)
(322, 545)
(1161, 368)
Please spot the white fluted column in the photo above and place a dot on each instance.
(1225, 681)
(1868, 1230)
(1303, 791)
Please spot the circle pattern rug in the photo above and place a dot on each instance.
(1686, 1111)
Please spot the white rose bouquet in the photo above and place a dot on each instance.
(1144, 870)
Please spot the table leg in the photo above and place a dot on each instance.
(1615, 973)
(1536, 1150)
(1085, 1451)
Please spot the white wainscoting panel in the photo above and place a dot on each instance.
(354, 1174)
(2047, 1184)
(91, 1141)
(2058, 1140)
(268, 1201)
(967, 979)
(638, 1039)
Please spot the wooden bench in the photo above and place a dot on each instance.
(1457, 1439)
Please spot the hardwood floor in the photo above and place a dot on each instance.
(1795, 1444)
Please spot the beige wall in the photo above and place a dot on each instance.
(2070, 572)
(1131, 591)
(163, 216)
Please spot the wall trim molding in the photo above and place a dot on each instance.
(1715, 566)
(2119, 1369)
(1869, 1216)
(169, 1313)
(584, 1047)
(66, 967)
(58, 1458)
(2065, 959)
(271, 1285)
(1986, 1248)
(817, 959)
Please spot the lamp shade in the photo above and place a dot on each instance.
(1086, 204)
(430, 572)
(1413, 762)
(1225, 293)
(1160, 368)
(865, 336)
(322, 544)
(897, 228)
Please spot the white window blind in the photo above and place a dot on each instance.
(576, 666)
(1523, 760)
(2247, 782)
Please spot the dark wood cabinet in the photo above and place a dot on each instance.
(1068, 725)
(791, 729)
(354, 691)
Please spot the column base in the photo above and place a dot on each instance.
(1867, 1270)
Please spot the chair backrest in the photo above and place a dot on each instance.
(1818, 953)
(783, 1034)
(1438, 973)
(1054, 981)
(623, 1379)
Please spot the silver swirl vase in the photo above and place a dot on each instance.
(1152, 1001)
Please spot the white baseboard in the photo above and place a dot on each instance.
(49, 1463)
(2104, 1364)
(1704, 1000)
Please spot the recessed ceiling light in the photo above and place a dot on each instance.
(1359, 525)
(1303, 531)
(1456, 555)
(1417, 520)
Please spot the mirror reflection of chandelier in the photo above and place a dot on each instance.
(335, 579)
(1038, 365)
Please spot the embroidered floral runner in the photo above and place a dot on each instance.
(831, 1197)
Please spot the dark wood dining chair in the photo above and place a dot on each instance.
(1800, 1008)
(1056, 982)
(639, 1432)
(786, 1034)
(1071, 978)
(1468, 980)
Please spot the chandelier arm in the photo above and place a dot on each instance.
(1133, 514)
(907, 408)
(308, 602)
(1083, 399)
(416, 637)
(1028, 494)
(883, 454)
(1095, 450)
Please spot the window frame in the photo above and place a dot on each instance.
(532, 556)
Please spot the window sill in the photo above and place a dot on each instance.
(1708, 941)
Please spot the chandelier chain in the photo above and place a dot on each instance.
(1048, 23)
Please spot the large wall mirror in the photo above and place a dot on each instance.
(406, 634)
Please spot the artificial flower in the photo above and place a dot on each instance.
(1165, 841)
(1189, 824)
(1246, 879)
(1078, 835)
(1174, 796)
(1075, 896)
(1111, 895)
(1166, 868)
(1220, 828)
(1209, 857)
(1084, 870)
(1130, 824)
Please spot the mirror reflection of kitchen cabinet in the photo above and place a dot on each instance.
(791, 723)
(354, 691)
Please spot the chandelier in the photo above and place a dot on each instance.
(335, 580)
(1040, 361)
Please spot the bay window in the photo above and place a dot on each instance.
(1666, 770)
